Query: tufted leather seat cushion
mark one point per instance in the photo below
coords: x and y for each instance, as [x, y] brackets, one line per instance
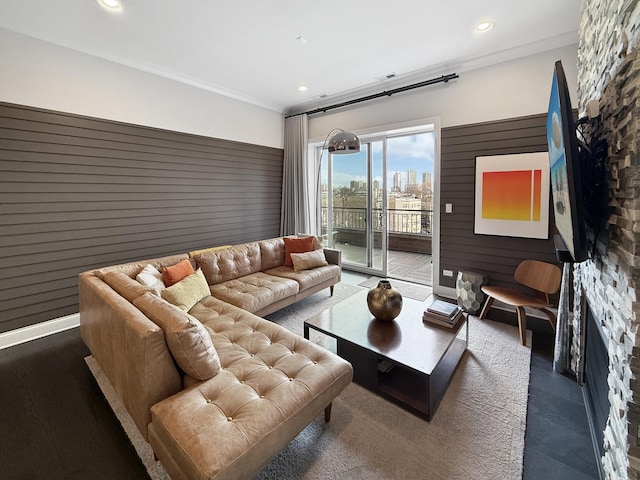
[256, 291]
[306, 278]
[229, 263]
[272, 253]
[272, 383]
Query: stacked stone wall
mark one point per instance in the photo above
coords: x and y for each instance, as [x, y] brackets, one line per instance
[609, 72]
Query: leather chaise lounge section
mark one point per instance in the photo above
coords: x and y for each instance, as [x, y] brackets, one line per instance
[271, 383]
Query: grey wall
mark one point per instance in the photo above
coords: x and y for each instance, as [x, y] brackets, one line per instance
[78, 192]
[460, 248]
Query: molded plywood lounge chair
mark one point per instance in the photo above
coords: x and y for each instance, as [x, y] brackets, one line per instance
[543, 278]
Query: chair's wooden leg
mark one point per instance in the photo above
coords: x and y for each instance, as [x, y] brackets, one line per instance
[550, 316]
[522, 323]
[331, 290]
[327, 413]
[485, 309]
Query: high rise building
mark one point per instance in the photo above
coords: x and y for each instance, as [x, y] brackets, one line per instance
[426, 181]
[358, 185]
[411, 177]
[397, 181]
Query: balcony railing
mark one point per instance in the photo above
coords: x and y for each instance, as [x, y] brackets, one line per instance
[417, 222]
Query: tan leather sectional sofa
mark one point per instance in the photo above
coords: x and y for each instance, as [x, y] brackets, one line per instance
[270, 383]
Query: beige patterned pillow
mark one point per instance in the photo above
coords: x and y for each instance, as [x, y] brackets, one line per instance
[307, 260]
[187, 339]
[187, 292]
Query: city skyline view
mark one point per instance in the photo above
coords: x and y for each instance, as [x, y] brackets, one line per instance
[414, 152]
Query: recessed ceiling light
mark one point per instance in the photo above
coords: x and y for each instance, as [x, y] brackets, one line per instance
[303, 88]
[113, 5]
[484, 26]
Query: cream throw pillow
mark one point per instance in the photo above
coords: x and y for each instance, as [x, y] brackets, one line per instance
[151, 277]
[307, 260]
[188, 291]
[187, 339]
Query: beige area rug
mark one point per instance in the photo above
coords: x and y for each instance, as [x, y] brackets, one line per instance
[476, 433]
[407, 289]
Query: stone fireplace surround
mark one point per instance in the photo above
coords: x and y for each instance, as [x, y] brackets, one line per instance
[596, 388]
[609, 71]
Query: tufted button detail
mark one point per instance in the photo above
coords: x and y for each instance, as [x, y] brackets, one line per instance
[261, 396]
[270, 366]
[290, 379]
[229, 419]
[209, 400]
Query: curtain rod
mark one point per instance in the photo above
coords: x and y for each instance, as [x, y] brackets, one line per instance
[386, 93]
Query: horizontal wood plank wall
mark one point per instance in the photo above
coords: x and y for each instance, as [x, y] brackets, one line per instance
[79, 192]
[460, 248]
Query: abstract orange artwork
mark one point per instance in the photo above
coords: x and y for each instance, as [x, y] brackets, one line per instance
[509, 195]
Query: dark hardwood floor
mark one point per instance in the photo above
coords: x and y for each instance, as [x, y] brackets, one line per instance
[54, 421]
[56, 424]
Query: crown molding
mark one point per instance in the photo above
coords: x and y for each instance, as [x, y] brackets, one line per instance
[161, 72]
[459, 66]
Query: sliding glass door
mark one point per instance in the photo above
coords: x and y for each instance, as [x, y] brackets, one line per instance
[377, 205]
[352, 207]
[410, 165]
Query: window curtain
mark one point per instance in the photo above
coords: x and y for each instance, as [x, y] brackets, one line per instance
[295, 215]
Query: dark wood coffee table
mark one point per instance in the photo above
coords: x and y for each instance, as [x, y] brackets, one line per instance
[406, 360]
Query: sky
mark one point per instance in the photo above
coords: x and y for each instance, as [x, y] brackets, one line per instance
[410, 152]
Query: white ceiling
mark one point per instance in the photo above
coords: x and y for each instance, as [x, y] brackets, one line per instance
[247, 49]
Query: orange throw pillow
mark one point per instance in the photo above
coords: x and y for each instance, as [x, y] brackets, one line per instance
[177, 272]
[296, 245]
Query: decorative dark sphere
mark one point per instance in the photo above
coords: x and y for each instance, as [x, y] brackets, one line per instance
[384, 301]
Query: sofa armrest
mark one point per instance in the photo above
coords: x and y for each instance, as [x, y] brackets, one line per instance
[333, 256]
[130, 349]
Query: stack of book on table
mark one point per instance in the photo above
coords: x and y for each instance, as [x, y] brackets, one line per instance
[443, 314]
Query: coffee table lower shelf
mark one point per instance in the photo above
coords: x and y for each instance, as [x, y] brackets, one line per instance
[407, 361]
[404, 386]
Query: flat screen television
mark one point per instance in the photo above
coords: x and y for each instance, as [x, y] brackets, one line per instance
[566, 179]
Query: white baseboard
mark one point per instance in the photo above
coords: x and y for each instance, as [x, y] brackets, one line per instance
[39, 330]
